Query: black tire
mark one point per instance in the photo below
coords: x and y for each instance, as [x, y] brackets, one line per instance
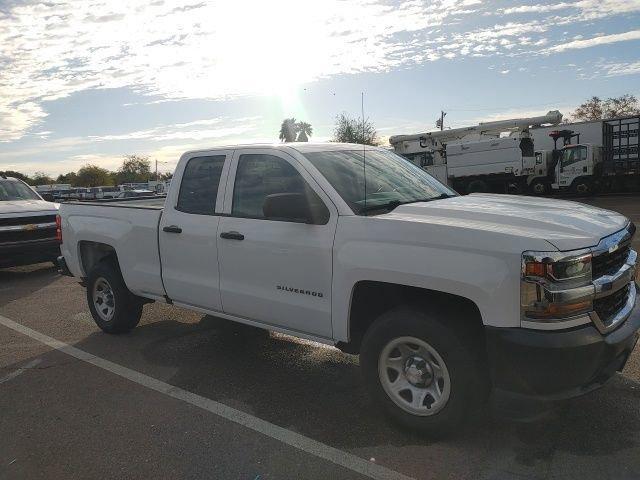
[582, 186]
[469, 383]
[539, 187]
[127, 308]
[477, 186]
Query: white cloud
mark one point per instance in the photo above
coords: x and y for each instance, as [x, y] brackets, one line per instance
[229, 48]
[617, 69]
[578, 11]
[215, 50]
[537, 8]
[187, 131]
[595, 41]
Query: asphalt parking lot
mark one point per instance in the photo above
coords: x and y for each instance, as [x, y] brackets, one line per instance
[190, 396]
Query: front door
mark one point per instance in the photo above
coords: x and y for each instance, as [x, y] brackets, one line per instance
[277, 272]
[188, 232]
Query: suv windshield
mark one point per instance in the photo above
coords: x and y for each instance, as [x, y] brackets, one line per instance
[16, 190]
[391, 180]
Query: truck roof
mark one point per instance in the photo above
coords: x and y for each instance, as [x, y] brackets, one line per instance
[302, 147]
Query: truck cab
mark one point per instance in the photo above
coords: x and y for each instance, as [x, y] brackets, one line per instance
[576, 167]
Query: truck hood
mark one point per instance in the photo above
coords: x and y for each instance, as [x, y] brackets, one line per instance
[566, 225]
[27, 207]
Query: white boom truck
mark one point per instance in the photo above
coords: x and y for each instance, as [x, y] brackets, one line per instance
[444, 297]
[480, 158]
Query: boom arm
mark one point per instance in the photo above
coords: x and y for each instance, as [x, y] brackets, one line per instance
[483, 128]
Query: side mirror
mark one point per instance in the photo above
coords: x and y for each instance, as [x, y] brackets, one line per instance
[291, 207]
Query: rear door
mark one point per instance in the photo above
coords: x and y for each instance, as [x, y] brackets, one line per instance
[277, 272]
[188, 232]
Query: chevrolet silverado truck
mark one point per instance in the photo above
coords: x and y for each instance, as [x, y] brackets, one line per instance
[28, 230]
[444, 297]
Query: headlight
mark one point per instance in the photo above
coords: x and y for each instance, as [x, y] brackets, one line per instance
[555, 286]
[555, 268]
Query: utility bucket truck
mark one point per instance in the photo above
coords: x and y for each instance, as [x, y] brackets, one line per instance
[481, 158]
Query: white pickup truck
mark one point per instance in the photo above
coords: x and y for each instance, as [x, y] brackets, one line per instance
[444, 297]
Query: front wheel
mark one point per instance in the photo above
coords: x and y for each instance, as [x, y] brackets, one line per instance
[113, 307]
[420, 371]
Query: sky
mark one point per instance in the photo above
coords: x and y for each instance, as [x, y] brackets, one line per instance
[89, 81]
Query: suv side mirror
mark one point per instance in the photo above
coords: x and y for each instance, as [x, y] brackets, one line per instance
[291, 207]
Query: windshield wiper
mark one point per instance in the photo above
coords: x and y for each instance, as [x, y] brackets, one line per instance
[389, 206]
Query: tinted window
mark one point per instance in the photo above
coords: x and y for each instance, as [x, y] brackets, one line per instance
[261, 175]
[199, 187]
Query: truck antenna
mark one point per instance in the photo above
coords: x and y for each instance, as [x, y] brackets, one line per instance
[364, 151]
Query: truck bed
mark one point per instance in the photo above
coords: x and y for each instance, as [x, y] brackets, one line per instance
[128, 226]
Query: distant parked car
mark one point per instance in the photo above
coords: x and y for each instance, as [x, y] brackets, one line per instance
[104, 192]
[28, 229]
[135, 194]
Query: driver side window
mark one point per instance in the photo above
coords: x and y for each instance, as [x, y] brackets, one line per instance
[259, 176]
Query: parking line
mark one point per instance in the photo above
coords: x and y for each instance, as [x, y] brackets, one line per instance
[293, 439]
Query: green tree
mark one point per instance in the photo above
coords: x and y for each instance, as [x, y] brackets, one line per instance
[305, 130]
[41, 178]
[354, 130]
[597, 109]
[70, 178]
[18, 175]
[134, 169]
[288, 130]
[93, 176]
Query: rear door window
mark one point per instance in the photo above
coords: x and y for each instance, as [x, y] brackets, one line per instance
[199, 187]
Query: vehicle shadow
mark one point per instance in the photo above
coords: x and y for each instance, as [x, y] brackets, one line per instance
[317, 391]
[18, 282]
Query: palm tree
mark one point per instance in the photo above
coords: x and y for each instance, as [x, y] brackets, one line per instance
[288, 130]
[304, 131]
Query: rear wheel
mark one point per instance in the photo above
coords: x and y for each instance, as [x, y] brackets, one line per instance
[539, 187]
[113, 307]
[421, 372]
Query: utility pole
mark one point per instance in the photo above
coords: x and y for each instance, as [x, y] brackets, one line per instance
[156, 169]
[440, 121]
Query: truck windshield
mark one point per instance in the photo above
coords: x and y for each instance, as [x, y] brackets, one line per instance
[15, 190]
[390, 180]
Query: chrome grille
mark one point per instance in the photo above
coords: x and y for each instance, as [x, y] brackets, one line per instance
[8, 222]
[25, 229]
[608, 263]
[607, 307]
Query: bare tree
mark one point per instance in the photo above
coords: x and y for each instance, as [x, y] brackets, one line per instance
[597, 109]
[622, 106]
[354, 130]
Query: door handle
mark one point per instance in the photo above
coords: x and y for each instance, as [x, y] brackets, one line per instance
[232, 235]
[172, 229]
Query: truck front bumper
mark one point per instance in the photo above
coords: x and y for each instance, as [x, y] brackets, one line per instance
[559, 364]
[29, 252]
